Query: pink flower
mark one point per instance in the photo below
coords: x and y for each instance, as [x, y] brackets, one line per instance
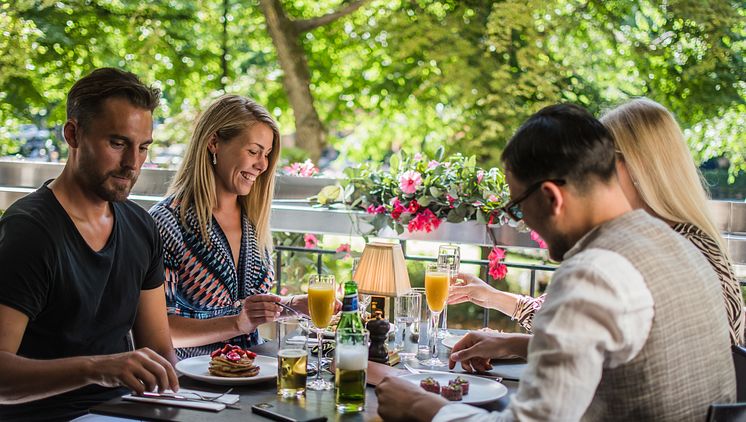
[417, 156]
[345, 247]
[492, 198]
[480, 176]
[477, 203]
[497, 269]
[496, 254]
[425, 220]
[432, 164]
[304, 169]
[536, 238]
[409, 181]
[413, 207]
[397, 210]
[311, 240]
[372, 209]
[283, 291]
[450, 199]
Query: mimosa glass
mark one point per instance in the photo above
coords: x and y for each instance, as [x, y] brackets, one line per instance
[321, 299]
[449, 255]
[437, 280]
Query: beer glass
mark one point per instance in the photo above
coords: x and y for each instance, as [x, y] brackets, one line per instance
[407, 320]
[351, 362]
[321, 300]
[292, 358]
[450, 256]
[437, 281]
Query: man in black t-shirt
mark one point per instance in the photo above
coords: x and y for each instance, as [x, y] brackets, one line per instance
[81, 266]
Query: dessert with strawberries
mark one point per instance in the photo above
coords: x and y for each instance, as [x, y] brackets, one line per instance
[233, 361]
[430, 384]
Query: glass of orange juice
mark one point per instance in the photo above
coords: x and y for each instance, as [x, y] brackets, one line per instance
[321, 299]
[437, 280]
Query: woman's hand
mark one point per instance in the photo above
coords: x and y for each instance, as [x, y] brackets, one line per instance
[300, 304]
[469, 288]
[257, 310]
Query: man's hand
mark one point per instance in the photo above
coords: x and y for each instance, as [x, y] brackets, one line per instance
[401, 400]
[257, 310]
[469, 288]
[140, 371]
[476, 349]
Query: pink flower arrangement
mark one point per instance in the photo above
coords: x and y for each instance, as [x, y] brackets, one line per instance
[345, 247]
[424, 220]
[304, 169]
[497, 269]
[409, 181]
[539, 241]
[310, 240]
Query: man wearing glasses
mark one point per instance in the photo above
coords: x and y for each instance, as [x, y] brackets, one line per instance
[617, 337]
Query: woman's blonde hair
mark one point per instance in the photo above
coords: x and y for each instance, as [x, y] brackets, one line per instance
[660, 165]
[194, 183]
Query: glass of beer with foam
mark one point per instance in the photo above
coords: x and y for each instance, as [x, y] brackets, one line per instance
[292, 358]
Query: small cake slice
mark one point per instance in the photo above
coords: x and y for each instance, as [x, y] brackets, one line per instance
[451, 392]
[463, 383]
[430, 384]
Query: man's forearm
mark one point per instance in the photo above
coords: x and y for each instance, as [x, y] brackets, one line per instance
[23, 380]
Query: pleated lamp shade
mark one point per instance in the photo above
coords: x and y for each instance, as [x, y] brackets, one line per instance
[382, 270]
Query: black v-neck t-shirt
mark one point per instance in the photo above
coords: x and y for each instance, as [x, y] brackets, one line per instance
[79, 302]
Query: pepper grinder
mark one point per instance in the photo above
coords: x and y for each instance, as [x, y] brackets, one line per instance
[378, 329]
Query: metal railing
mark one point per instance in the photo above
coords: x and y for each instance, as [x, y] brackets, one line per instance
[482, 263]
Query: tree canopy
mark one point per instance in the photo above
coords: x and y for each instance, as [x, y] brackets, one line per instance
[392, 74]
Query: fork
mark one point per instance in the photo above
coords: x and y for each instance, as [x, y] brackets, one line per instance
[289, 309]
[201, 397]
[184, 394]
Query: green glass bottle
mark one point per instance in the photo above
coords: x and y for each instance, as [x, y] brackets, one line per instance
[350, 319]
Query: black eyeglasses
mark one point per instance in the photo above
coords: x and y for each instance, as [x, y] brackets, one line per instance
[513, 208]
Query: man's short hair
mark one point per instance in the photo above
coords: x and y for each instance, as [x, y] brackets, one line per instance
[86, 96]
[562, 141]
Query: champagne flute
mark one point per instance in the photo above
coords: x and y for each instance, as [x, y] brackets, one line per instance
[321, 300]
[436, 293]
[448, 255]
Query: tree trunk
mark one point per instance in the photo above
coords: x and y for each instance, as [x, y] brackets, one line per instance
[310, 133]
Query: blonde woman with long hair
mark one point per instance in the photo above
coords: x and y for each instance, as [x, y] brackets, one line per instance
[215, 229]
[658, 174]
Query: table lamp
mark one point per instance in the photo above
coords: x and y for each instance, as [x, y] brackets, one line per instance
[381, 272]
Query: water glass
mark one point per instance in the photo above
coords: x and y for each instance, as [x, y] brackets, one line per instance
[292, 359]
[407, 320]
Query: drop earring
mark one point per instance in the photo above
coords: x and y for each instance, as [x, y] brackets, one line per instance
[214, 159]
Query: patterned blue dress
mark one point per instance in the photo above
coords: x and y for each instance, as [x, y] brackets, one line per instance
[201, 280]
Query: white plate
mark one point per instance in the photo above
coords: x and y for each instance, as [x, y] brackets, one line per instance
[481, 390]
[196, 368]
[451, 341]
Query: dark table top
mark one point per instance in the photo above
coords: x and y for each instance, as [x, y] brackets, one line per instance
[315, 403]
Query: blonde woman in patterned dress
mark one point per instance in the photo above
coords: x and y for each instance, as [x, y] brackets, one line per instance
[215, 230]
[657, 174]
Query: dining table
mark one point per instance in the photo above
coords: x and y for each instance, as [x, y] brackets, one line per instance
[315, 404]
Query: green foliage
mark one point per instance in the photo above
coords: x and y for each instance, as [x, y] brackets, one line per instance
[397, 75]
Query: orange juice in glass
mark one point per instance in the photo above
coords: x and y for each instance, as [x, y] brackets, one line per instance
[321, 300]
[437, 280]
[436, 289]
